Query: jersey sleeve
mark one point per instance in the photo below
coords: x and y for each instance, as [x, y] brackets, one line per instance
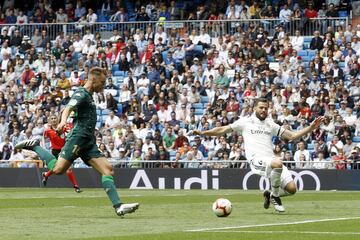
[46, 133]
[239, 125]
[76, 99]
[276, 129]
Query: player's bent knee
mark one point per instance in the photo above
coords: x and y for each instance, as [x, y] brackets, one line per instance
[291, 188]
[276, 164]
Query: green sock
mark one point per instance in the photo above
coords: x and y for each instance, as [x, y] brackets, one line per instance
[110, 189]
[46, 156]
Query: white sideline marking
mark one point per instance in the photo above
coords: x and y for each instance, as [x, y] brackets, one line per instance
[299, 232]
[273, 224]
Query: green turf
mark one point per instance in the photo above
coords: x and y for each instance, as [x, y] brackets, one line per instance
[168, 214]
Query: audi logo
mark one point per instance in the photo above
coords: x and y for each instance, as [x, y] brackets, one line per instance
[297, 179]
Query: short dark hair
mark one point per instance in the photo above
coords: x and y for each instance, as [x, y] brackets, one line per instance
[258, 100]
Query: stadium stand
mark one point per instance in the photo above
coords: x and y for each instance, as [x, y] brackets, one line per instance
[167, 57]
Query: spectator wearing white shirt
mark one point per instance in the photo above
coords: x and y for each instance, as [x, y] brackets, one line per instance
[158, 34]
[285, 14]
[89, 48]
[91, 17]
[148, 144]
[114, 153]
[124, 97]
[75, 79]
[5, 62]
[142, 84]
[322, 163]
[111, 121]
[5, 49]
[115, 37]
[232, 4]
[78, 44]
[301, 151]
[21, 18]
[88, 35]
[297, 41]
[335, 145]
[349, 118]
[163, 114]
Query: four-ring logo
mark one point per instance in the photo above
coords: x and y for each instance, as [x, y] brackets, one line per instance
[297, 179]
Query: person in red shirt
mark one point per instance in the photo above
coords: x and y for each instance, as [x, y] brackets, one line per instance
[57, 141]
[310, 12]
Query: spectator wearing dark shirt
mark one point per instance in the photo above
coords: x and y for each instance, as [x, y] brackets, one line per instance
[317, 42]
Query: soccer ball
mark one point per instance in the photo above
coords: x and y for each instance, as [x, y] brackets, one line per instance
[222, 207]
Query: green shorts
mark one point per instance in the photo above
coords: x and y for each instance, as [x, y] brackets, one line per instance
[80, 146]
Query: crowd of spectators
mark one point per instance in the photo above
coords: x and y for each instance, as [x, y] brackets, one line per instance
[159, 88]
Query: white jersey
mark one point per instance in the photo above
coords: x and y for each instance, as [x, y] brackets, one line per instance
[257, 136]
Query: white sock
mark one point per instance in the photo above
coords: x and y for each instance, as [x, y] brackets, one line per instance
[283, 193]
[275, 181]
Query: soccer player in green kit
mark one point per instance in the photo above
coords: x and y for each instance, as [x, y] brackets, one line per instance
[81, 140]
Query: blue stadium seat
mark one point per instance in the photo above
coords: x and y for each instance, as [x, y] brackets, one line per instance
[117, 73]
[356, 139]
[305, 58]
[199, 112]
[302, 53]
[115, 67]
[306, 45]
[98, 125]
[307, 39]
[198, 105]
[204, 99]
[311, 53]
[67, 74]
[103, 118]
[98, 111]
[310, 147]
[105, 112]
[341, 64]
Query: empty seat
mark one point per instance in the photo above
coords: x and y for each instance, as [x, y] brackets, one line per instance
[115, 67]
[198, 105]
[204, 99]
[302, 53]
[117, 73]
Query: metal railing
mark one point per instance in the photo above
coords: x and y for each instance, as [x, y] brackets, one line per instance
[214, 28]
[241, 164]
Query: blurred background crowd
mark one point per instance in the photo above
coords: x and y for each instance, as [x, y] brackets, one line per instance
[164, 80]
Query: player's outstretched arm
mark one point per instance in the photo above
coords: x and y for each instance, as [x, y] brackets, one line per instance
[289, 135]
[64, 116]
[218, 131]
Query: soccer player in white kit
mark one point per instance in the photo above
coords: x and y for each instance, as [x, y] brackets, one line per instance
[258, 131]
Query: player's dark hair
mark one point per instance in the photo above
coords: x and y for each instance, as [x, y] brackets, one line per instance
[258, 100]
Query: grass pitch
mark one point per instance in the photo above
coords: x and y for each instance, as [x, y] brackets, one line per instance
[175, 214]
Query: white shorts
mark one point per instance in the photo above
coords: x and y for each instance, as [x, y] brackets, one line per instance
[262, 167]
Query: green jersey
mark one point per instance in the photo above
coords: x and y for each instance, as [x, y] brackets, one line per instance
[84, 108]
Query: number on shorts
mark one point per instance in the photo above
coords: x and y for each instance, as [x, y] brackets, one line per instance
[76, 150]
